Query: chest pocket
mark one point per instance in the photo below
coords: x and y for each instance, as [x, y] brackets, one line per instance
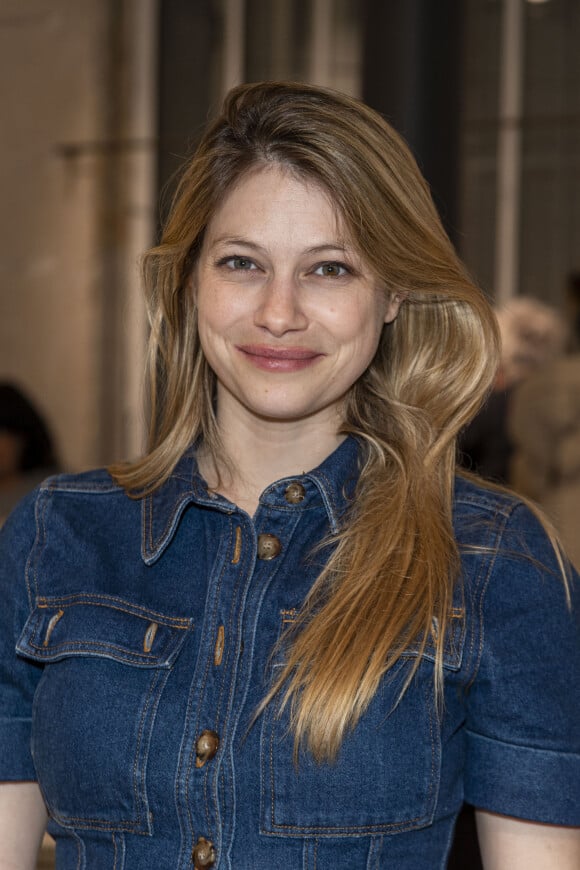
[106, 662]
[386, 777]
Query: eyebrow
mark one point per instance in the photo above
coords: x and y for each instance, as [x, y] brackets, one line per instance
[315, 249]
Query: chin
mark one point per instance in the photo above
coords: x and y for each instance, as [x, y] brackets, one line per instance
[284, 411]
[282, 415]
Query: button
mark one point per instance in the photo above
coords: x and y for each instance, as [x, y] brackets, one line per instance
[268, 547]
[294, 493]
[206, 747]
[203, 854]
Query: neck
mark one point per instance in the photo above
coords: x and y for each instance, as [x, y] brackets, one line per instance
[260, 452]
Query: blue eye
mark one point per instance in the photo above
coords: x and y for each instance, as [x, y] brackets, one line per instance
[332, 270]
[243, 264]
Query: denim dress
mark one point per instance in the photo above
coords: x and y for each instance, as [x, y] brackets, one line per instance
[137, 638]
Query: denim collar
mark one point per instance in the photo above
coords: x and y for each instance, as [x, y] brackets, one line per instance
[335, 479]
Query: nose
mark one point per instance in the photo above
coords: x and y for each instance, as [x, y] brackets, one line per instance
[280, 309]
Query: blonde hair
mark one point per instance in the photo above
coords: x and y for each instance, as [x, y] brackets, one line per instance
[391, 574]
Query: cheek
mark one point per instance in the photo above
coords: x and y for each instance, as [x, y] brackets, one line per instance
[218, 309]
[364, 343]
[212, 320]
[216, 327]
[362, 330]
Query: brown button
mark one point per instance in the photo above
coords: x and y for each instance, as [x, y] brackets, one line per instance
[268, 547]
[294, 493]
[203, 854]
[206, 747]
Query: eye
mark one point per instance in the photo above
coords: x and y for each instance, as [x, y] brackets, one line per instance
[332, 270]
[237, 263]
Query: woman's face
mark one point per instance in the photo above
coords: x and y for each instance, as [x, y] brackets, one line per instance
[289, 315]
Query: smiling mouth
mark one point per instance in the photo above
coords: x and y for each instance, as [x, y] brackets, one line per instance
[285, 359]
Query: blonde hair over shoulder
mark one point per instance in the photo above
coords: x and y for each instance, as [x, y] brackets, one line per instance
[434, 366]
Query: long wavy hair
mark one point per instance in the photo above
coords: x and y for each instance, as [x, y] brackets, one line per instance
[432, 370]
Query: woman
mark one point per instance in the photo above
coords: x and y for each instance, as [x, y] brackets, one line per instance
[284, 638]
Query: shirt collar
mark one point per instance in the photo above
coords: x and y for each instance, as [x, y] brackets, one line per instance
[336, 479]
[161, 511]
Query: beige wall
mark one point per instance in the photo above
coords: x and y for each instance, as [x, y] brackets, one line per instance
[55, 295]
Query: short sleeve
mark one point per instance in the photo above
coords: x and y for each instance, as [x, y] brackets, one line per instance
[18, 678]
[523, 719]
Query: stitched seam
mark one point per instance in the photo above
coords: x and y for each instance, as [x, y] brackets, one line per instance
[95, 824]
[206, 787]
[433, 738]
[482, 593]
[302, 507]
[152, 698]
[40, 508]
[243, 579]
[525, 746]
[328, 497]
[146, 533]
[139, 802]
[193, 711]
[333, 830]
[98, 648]
[93, 600]
[80, 852]
[72, 646]
[229, 653]
[173, 518]
[62, 485]
[375, 847]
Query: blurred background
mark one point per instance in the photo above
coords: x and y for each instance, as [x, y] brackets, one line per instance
[103, 99]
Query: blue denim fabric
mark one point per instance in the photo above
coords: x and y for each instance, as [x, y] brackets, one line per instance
[140, 624]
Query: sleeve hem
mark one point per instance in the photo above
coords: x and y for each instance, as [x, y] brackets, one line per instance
[16, 763]
[529, 783]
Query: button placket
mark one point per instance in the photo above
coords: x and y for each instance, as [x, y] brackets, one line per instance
[210, 689]
[238, 587]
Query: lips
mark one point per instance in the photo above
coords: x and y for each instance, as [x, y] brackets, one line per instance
[282, 359]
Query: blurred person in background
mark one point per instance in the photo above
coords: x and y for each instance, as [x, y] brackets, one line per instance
[532, 334]
[545, 431]
[27, 454]
[572, 310]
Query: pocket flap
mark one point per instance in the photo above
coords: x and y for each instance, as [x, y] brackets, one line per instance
[101, 625]
[453, 643]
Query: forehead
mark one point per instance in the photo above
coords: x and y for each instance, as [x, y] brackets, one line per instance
[272, 191]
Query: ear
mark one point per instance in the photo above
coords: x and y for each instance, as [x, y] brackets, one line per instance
[393, 305]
